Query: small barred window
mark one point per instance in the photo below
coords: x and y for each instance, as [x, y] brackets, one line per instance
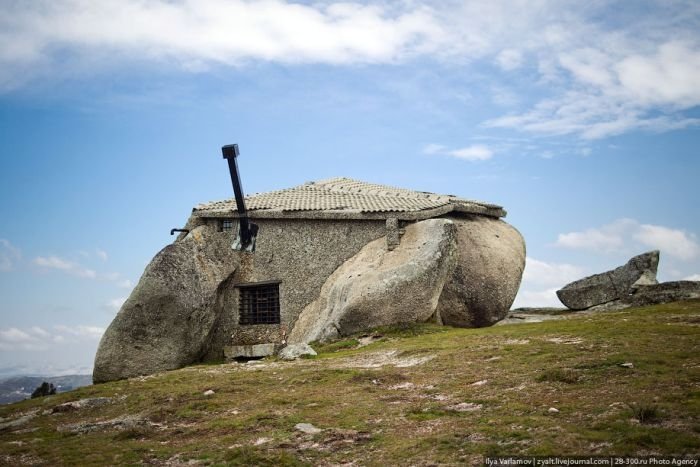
[259, 303]
[226, 225]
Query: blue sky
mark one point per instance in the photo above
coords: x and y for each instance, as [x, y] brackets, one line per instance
[581, 120]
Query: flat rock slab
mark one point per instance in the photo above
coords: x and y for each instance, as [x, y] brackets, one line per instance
[611, 285]
[248, 351]
[307, 428]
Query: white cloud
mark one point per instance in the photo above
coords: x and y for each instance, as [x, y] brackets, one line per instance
[541, 280]
[639, 68]
[9, 255]
[630, 233]
[544, 273]
[36, 339]
[537, 298]
[613, 92]
[32, 339]
[125, 284]
[36, 330]
[674, 242]
[81, 331]
[692, 277]
[475, 152]
[14, 335]
[198, 33]
[75, 269]
[670, 76]
[606, 238]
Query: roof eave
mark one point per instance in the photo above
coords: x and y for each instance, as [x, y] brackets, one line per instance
[351, 214]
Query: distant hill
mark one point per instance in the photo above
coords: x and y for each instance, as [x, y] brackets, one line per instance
[18, 388]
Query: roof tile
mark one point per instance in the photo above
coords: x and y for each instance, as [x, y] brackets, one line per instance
[338, 194]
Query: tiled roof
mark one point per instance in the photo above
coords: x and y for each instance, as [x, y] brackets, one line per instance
[344, 194]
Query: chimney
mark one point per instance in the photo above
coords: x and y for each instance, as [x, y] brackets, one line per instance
[245, 240]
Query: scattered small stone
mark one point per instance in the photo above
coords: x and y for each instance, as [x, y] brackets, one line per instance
[307, 428]
[465, 407]
[209, 392]
[406, 385]
[260, 441]
[88, 403]
[553, 410]
[294, 351]
[480, 383]
[627, 365]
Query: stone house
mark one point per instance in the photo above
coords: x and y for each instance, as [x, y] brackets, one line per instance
[330, 258]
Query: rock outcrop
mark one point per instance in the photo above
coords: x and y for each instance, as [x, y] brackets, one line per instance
[378, 287]
[166, 322]
[611, 285]
[654, 294]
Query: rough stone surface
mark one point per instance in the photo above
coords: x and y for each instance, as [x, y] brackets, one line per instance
[486, 275]
[379, 287]
[611, 285]
[654, 294]
[294, 351]
[166, 322]
[664, 292]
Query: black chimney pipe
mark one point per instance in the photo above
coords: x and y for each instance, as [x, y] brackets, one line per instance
[248, 230]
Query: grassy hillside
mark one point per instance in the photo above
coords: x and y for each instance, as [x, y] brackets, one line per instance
[417, 395]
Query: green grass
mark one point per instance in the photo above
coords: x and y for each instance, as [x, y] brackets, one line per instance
[419, 395]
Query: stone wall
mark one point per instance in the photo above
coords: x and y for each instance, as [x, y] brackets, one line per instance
[300, 254]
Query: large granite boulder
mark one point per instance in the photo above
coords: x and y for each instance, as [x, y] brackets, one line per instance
[379, 287]
[167, 320]
[611, 285]
[486, 275]
[460, 272]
